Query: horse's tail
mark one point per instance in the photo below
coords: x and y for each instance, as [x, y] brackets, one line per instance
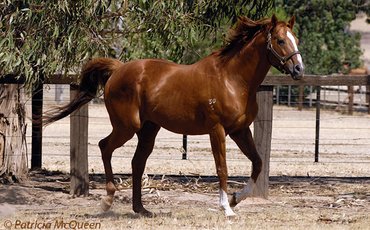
[95, 73]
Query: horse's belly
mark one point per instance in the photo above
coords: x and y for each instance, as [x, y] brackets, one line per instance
[186, 130]
[187, 122]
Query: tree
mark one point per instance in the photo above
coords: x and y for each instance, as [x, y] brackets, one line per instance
[322, 26]
[326, 44]
[13, 155]
[78, 30]
[40, 38]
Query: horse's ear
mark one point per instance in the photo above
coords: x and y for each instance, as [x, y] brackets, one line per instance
[291, 22]
[274, 20]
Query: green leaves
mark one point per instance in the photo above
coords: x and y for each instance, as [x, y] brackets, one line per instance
[47, 37]
[325, 42]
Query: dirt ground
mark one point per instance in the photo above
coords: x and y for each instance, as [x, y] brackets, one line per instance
[332, 194]
[187, 203]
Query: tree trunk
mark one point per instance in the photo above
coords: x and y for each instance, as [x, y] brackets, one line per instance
[13, 148]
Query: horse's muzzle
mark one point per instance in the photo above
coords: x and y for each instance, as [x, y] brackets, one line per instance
[297, 72]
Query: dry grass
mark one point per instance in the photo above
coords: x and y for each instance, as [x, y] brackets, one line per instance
[192, 203]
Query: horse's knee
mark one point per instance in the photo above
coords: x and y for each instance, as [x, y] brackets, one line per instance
[102, 143]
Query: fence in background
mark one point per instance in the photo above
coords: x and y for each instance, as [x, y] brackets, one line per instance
[345, 99]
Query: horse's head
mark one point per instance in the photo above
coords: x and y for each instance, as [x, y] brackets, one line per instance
[282, 48]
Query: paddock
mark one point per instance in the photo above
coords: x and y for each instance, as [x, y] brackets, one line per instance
[262, 124]
[330, 193]
[333, 193]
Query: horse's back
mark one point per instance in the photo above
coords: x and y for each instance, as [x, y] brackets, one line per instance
[169, 94]
[188, 99]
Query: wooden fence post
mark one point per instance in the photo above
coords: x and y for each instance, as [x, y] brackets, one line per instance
[78, 149]
[368, 98]
[301, 97]
[317, 126]
[36, 150]
[184, 147]
[262, 136]
[289, 95]
[350, 100]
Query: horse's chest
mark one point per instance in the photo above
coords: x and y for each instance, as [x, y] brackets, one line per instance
[251, 112]
[240, 113]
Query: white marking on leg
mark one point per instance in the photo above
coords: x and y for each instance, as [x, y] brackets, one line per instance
[292, 39]
[224, 203]
[246, 191]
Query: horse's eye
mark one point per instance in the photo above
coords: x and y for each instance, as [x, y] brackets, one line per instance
[281, 42]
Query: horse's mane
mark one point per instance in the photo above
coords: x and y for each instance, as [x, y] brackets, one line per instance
[240, 35]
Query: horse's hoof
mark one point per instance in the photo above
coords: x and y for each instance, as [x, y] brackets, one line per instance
[106, 203]
[230, 214]
[232, 200]
[145, 213]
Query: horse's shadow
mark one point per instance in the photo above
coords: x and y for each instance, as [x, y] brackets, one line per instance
[128, 215]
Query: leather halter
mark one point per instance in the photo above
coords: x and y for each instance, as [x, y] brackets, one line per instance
[282, 59]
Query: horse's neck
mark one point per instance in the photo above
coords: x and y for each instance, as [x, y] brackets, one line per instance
[252, 65]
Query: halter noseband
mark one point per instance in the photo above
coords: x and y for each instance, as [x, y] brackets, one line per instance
[282, 59]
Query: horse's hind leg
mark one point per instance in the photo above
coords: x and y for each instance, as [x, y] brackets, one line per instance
[146, 139]
[107, 145]
[244, 140]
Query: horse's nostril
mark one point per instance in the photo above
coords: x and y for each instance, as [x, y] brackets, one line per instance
[297, 72]
[297, 68]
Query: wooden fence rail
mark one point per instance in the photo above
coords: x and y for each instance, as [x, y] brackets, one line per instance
[262, 125]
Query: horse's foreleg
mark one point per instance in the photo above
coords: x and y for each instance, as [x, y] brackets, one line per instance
[107, 146]
[244, 140]
[144, 148]
[218, 144]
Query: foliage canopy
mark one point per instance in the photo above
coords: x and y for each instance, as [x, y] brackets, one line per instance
[323, 29]
[46, 37]
[56, 36]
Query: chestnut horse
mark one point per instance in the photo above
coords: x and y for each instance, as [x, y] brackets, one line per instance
[215, 96]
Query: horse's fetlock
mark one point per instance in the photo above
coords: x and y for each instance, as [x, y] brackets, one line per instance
[111, 189]
[232, 200]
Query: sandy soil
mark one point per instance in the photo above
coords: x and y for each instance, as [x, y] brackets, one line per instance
[189, 203]
[331, 194]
